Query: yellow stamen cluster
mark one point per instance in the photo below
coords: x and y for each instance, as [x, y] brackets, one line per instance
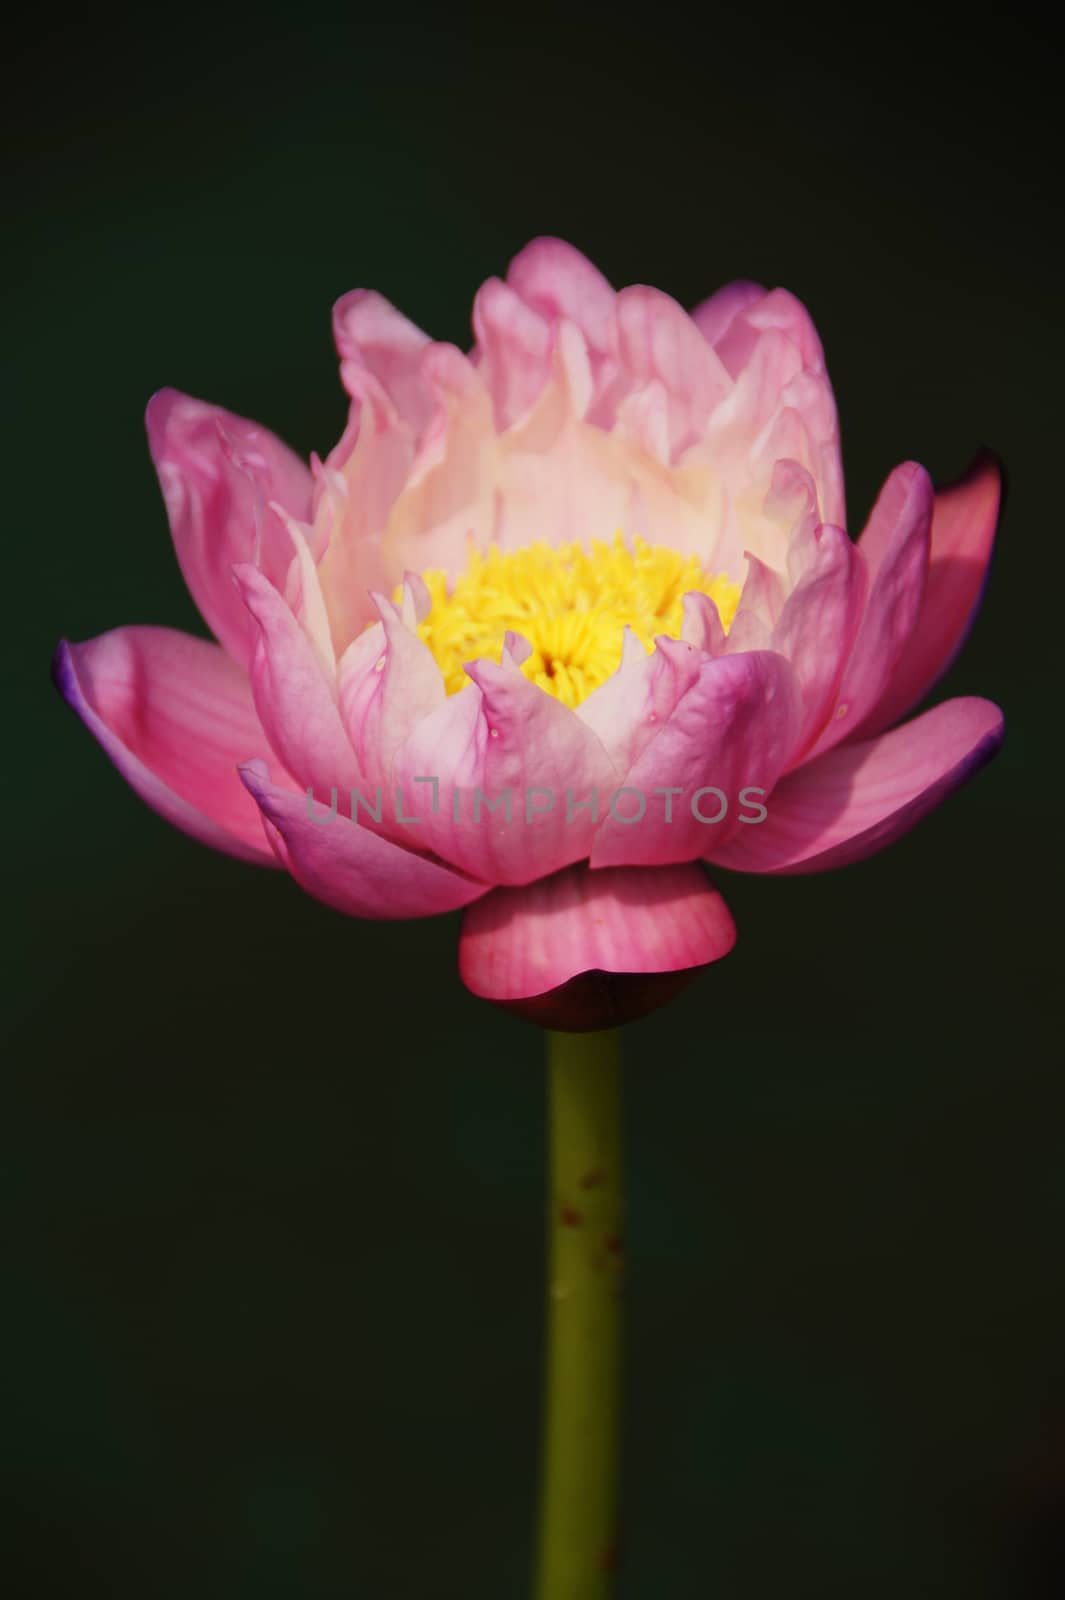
[572, 604]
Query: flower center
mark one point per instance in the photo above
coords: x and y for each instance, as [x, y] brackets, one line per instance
[571, 603]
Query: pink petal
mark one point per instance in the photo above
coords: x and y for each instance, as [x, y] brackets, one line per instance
[817, 626]
[702, 624]
[729, 734]
[894, 547]
[359, 485]
[519, 942]
[556, 280]
[377, 341]
[449, 492]
[175, 715]
[781, 405]
[502, 734]
[627, 711]
[964, 521]
[764, 593]
[641, 416]
[781, 310]
[388, 682]
[513, 350]
[561, 285]
[754, 315]
[714, 317]
[658, 340]
[219, 473]
[858, 798]
[296, 702]
[346, 865]
[776, 410]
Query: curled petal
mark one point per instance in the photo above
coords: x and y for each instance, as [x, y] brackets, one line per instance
[346, 865]
[219, 474]
[964, 519]
[175, 715]
[522, 942]
[858, 798]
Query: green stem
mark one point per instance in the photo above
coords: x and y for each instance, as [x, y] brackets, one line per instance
[578, 1532]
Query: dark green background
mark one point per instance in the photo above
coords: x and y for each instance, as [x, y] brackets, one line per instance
[273, 1178]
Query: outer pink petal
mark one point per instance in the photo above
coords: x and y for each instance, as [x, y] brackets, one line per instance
[521, 942]
[731, 732]
[964, 521]
[345, 865]
[894, 547]
[219, 473]
[175, 715]
[858, 798]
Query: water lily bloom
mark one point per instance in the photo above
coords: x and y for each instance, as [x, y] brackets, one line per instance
[557, 623]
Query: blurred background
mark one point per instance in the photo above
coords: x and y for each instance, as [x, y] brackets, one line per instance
[273, 1179]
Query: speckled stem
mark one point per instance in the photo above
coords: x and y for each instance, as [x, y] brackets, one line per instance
[578, 1528]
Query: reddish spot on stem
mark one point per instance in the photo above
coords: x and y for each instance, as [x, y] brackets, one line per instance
[611, 1558]
[591, 1180]
[570, 1218]
[613, 1243]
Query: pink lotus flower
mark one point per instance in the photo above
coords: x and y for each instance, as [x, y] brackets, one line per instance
[596, 565]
